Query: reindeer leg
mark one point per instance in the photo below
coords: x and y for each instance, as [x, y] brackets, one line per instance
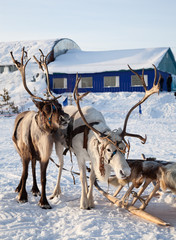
[19, 186]
[90, 193]
[57, 190]
[43, 202]
[84, 201]
[59, 151]
[22, 196]
[35, 190]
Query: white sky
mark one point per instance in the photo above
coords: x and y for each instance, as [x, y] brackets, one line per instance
[92, 24]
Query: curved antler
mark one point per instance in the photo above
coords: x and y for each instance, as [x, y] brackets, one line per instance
[148, 93]
[21, 67]
[77, 98]
[43, 66]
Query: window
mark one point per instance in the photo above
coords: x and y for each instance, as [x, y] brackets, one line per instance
[59, 83]
[85, 82]
[136, 81]
[1, 69]
[112, 81]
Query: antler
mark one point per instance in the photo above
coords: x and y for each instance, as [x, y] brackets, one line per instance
[77, 98]
[21, 67]
[43, 66]
[148, 93]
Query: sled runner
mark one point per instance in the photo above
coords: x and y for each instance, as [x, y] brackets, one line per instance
[144, 172]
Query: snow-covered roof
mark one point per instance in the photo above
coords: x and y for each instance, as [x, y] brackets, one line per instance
[32, 47]
[99, 61]
[59, 46]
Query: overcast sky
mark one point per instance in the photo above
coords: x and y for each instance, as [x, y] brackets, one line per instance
[92, 24]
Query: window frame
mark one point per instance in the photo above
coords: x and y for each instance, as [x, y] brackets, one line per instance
[117, 81]
[138, 79]
[80, 85]
[65, 83]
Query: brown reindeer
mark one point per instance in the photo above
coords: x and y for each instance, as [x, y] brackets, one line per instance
[35, 132]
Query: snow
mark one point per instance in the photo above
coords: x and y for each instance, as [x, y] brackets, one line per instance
[32, 47]
[76, 60]
[66, 220]
[92, 61]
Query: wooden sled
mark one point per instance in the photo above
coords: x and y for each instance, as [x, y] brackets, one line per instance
[144, 172]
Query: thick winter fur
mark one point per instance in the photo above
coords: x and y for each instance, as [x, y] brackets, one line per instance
[33, 136]
[93, 152]
[160, 171]
[167, 177]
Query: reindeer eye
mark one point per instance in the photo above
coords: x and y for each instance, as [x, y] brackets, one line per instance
[109, 150]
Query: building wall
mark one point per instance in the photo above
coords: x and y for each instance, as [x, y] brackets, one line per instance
[168, 63]
[98, 81]
[7, 68]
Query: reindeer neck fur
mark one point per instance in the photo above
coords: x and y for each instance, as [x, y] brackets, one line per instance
[95, 154]
[43, 123]
[97, 151]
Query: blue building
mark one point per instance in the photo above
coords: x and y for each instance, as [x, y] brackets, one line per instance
[107, 71]
[101, 71]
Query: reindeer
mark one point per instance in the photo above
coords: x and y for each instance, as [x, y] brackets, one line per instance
[35, 132]
[93, 141]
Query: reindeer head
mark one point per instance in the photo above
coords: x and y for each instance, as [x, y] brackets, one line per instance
[111, 150]
[51, 114]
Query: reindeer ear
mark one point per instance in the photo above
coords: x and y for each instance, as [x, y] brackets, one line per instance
[38, 104]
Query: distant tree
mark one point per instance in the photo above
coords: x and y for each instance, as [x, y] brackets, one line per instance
[5, 96]
[7, 106]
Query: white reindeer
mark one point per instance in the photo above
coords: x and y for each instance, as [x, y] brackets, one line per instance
[105, 148]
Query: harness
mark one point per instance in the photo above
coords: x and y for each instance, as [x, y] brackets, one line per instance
[102, 158]
[112, 155]
[72, 133]
[85, 130]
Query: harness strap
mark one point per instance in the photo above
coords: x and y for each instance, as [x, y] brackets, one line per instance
[112, 155]
[72, 133]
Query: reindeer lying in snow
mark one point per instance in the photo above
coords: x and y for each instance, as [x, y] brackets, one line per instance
[143, 172]
[93, 141]
[35, 132]
[161, 173]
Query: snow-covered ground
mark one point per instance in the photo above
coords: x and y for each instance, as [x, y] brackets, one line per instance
[66, 220]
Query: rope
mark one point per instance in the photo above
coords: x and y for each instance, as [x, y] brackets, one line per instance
[72, 172]
[57, 165]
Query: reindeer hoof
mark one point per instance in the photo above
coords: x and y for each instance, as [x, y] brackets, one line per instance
[44, 206]
[22, 200]
[54, 195]
[35, 193]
